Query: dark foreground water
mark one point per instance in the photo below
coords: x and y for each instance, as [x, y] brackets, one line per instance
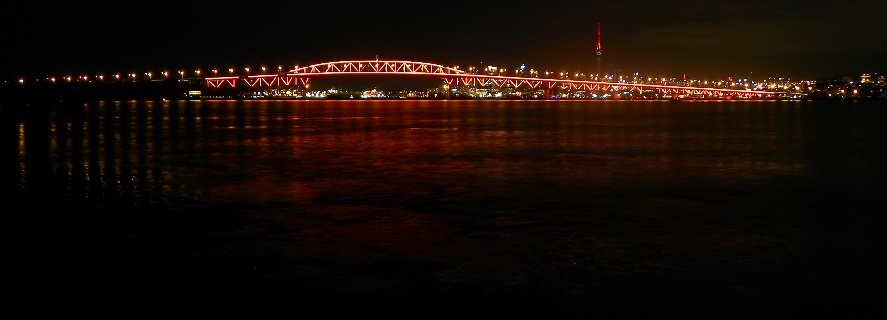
[765, 201]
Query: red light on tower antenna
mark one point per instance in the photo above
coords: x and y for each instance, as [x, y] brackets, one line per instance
[598, 43]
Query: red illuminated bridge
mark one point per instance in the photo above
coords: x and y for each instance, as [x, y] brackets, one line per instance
[301, 77]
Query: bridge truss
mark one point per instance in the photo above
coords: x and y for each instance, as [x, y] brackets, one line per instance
[454, 78]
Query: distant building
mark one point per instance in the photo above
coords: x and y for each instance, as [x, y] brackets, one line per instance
[865, 78]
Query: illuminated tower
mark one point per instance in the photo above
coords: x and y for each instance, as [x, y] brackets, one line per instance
[598, 43]
[598, 48]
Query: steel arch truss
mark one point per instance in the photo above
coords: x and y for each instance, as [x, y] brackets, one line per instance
[455, 77]
[470, 80]
[256, 82]
[222, 82]
[578, 85]
[376, 67]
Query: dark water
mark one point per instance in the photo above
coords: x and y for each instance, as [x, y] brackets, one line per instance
[753, 200]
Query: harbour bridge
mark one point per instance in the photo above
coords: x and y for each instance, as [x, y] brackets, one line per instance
[453, 77]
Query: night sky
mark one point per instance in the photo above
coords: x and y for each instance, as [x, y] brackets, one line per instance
[701, 38]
